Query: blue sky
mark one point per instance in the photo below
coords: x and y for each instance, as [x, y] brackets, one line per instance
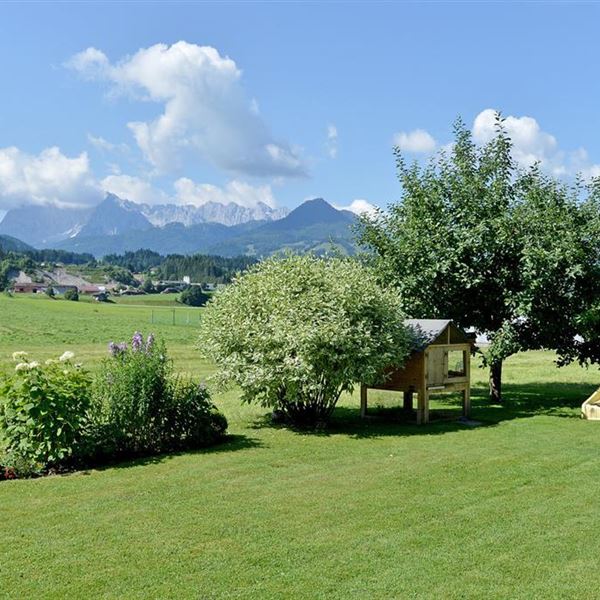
[281, 102]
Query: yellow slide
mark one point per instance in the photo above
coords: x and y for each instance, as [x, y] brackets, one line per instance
[590, 409]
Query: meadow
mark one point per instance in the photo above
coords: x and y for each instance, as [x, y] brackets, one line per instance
[365, 509]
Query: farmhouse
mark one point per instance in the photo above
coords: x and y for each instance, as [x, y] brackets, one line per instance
[90, 289]
[440, 362]
[29, 288]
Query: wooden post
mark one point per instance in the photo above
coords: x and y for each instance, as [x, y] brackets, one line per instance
[408, 401]
[467, 401]
[363, 400]
[423, 397]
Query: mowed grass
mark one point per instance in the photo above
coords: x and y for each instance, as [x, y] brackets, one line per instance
[373, 509]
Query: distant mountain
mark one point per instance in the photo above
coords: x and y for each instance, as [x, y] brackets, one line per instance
[114, 216]
[312, 212]
[211, 212]
[42, 226]
[12, 244]
[314, 226]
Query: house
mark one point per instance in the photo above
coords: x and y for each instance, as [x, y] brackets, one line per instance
[440, 362]
[89, 289]
[29, 288]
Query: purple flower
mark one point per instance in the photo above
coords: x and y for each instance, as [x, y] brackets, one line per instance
[117, 349]
[149, 342]
[137, 341]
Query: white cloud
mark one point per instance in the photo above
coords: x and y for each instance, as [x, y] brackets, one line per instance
[186, 191]
[532, 144]
[47, 178]
[133, 188]
[206, 114]
[417, 141]
[358, 206]
[239, 192]
[99, 143]
[332, 141]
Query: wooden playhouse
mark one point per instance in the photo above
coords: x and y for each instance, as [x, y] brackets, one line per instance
[440, 362]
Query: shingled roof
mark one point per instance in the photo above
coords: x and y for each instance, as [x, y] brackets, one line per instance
[426, 330]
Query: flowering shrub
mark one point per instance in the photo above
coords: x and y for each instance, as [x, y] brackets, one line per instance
[295, 333]
[143, 409]
[43, 412]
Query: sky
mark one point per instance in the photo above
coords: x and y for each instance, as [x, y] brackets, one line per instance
[281, 102]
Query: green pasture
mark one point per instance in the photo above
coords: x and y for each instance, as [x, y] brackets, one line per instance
[374, 509]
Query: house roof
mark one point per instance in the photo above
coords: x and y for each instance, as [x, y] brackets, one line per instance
[426, 330]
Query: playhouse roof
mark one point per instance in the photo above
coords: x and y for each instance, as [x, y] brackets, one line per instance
[426, 330]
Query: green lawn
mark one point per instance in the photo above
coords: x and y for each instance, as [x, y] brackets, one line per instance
[366, 510]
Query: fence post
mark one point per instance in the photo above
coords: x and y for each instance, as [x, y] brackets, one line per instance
[173, 316]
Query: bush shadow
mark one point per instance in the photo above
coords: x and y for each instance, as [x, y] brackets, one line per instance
[230, 443]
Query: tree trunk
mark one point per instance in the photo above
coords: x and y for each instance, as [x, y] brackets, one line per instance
[496, 382]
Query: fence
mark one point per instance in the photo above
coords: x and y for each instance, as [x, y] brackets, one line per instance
[174, 316]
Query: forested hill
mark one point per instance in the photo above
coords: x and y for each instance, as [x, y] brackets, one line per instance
[199, 267]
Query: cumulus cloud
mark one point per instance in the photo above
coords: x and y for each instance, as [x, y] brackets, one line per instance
[532, 144]
[358, 206]
[332, 141]
[185, 191]
[239, 192]
[134, 188]
[417, 141]
[47, 178]
[206, 112]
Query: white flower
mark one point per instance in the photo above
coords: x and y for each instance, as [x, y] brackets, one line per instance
[50, 361]
[22, 367]
[17, 356]
[34, 364]
[68, 355]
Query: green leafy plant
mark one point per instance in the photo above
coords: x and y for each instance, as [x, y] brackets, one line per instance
[43, 412]
[295, 333]
[72, 294]
[142, 408]
[194, 296]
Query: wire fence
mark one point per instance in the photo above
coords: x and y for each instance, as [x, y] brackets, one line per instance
[174, 316]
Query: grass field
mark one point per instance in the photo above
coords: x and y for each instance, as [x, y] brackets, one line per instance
[365, 510]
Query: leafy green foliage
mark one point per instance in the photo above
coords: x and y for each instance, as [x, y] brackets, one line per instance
[137, 262]
[295, 333]
[202, 268]
[143, 409]
[199, 267]
[71, 294]
[514, 254]
[194, 296]
[43, 411]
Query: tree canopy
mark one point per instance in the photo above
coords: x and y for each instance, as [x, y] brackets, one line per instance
[512, 252]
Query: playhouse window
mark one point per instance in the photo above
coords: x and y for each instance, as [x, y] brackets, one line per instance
[456, 363]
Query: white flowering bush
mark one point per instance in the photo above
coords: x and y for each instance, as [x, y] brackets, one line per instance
[295, 333]
[43, 412]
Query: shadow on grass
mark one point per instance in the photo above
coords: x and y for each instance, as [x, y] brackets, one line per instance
[520, 401]
[230, 443]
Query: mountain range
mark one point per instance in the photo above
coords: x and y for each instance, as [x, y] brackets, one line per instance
[117, 225]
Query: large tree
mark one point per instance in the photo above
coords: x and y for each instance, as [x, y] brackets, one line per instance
[513, 253]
